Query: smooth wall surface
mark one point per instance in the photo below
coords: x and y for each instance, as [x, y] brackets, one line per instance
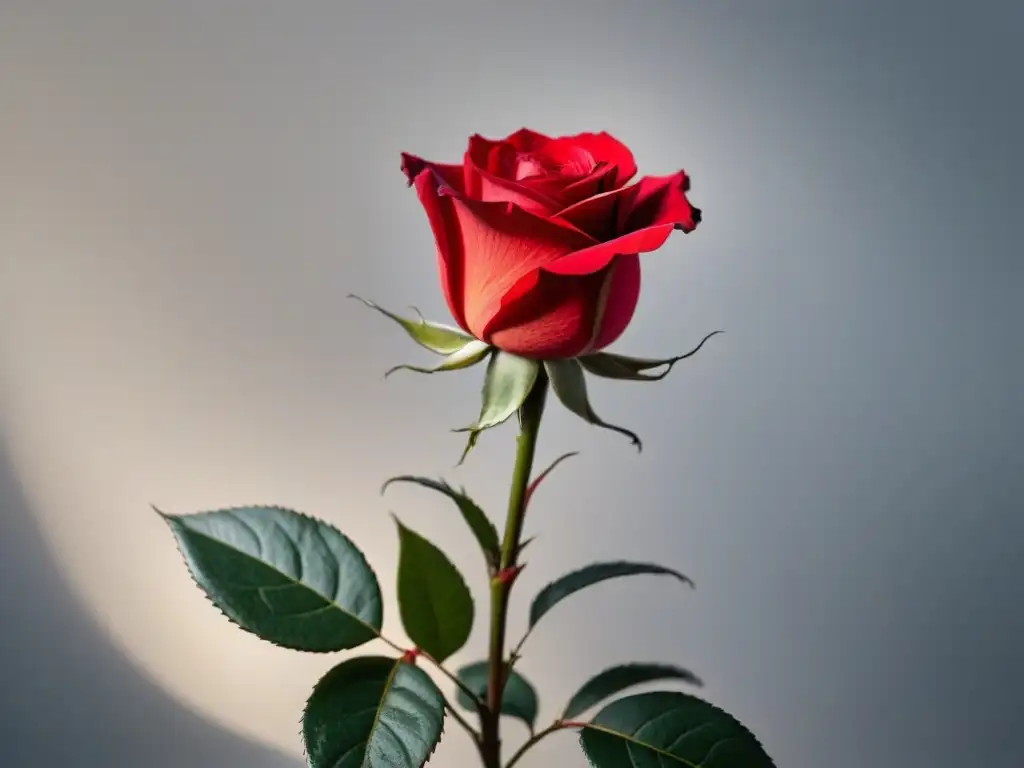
[189, 189]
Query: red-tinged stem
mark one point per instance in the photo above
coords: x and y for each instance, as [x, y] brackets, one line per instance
[529, 420]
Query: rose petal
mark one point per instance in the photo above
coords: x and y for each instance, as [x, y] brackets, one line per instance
[525, 140]
[645, 215]
[620, 302]
[413, 166]
[598, 181]
[499, 243]
[658, 200]
[490, 176]
[597, 215]
[450, 267]
[557, 317]
[605, 148]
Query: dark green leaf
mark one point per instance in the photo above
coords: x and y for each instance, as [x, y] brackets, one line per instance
[560, 589]
[435, 604]
[518, 699]
[662, 729]
[288, 578]
[507, 383]
[570, 386]
[483, 529]
[615, 679]
[469, 355]
[612, 366]
[372, 712]
[440, 339]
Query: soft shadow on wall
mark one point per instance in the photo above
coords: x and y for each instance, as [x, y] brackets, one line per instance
[67, 696]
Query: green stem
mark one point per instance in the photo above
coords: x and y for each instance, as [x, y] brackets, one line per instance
[529, 425]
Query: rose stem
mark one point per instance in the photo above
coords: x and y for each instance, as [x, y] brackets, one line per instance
[529, 425]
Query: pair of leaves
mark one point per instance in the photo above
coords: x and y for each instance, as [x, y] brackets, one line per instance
[377, 712]
[476, 519]
[300, 583]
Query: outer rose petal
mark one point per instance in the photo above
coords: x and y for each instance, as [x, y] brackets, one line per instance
[562, 317]
[620, 304]
[450, 267]
[656, 200]
[645, 214]
[485, 248]
[526, 140]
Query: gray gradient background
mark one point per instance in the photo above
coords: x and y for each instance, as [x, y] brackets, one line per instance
[187, 190]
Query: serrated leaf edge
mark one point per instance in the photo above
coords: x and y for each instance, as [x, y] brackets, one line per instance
[398, 662]
[683, 761]
[177, 545]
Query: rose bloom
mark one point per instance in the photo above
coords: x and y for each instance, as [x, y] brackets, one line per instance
[538, 238]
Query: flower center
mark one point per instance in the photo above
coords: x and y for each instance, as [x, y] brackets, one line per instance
[574, 163]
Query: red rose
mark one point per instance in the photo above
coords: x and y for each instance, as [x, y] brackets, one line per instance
[538, 238]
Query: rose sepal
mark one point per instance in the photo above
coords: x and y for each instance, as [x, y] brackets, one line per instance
[460, 350]
[569, 383]
[507, 383]
[612, 366]
[438, 338]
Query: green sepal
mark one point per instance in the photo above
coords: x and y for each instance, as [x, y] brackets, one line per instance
[287, 578]
[434, 602]
[468, 356]
[518, 699]
[373, 712]
[438, 338]
[507, 383]
[612, 366]
[611, 681]
[569, 384]
[666, 729]
[481, 526]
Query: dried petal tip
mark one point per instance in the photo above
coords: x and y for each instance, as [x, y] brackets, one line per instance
[411, 167]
